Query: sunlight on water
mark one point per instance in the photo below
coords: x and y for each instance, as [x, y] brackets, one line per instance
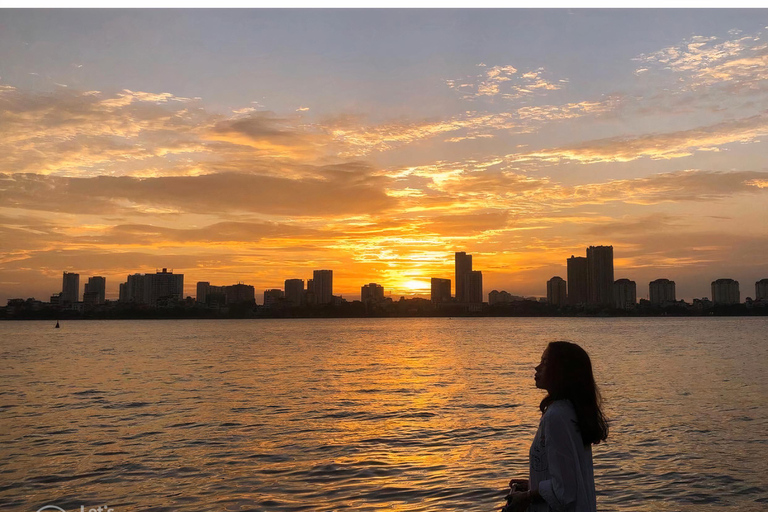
[373, 414]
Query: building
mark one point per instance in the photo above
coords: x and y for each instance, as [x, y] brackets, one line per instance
[272, 297]
[237, 293]
[761, 290]
[162, 286]
[150, 289]
[725, 291]
[216, 296]
[578, 279]
[372, 292]
[502, 297]
[440, 290]
[473, 287]
[322, 286]
[463, 266]
[294, 291]
[624, 294]
[133, 290]
[557, 292]
[203, 288]
[600, 273]
[309, 293]
[662, 291]
[95, 291]
[70, 288]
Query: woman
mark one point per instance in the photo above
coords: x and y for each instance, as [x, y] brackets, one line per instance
[561, 476]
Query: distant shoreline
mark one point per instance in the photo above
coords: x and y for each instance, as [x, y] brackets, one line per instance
[406, 309]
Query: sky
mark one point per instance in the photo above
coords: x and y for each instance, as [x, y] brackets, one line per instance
[256, 145]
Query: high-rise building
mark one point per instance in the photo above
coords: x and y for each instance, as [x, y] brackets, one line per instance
[600, 272]
[294, 291]
[725, 291]
[661, 291]
[557, 292]
[372, 292]
[134, 289]
[322, 285]
[151, 288]
[162, 286]
[761, 290]
[463, 266]
[440, 290]
[272, 297]
[203, 288]
[473, 287]
[216, 296]
[624, 294]
[578, 279]
[70, 288]
[240, 292]
[96, 289]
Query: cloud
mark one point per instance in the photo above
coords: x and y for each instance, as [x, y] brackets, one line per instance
[632, 226]
[691, 185]
[655, 146]
[265, 134]
[467, 186]
[75, 133]
[72, 133]
[503, 82]
[362, 140]
[219, 232]
[568, 110]
[465, 225]
[126, 97]
[706, 61]
[758, 183]
[342, 192]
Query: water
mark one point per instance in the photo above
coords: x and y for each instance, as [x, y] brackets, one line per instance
[370, 414]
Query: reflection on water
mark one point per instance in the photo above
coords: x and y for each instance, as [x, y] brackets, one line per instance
[373, 414]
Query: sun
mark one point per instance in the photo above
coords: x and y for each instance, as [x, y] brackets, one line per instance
[417, 286]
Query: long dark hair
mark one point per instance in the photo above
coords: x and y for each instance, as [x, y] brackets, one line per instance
[569, 372]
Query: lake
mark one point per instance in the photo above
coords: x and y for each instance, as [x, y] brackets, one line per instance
[370, 414]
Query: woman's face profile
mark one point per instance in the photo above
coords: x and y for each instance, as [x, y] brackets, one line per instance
[541, 378]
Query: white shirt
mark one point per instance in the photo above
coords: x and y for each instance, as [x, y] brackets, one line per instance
[560, 464]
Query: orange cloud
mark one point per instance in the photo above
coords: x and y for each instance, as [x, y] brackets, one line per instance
[340, 194]
[656, 146]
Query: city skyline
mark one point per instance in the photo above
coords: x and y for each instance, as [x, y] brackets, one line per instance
[379, 143]
[597, 269]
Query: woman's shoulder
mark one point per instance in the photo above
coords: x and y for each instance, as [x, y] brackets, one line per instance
[560, 410]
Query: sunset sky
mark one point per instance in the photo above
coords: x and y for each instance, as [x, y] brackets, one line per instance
[257, 145]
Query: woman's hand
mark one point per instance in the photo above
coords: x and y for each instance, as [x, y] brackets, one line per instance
[519, 484]
[517, 501]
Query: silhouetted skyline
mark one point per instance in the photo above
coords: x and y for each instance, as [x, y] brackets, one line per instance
[590, 282]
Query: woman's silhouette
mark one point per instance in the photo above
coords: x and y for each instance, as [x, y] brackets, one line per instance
[561, 475]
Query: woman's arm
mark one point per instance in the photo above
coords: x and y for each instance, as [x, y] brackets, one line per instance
[560, 433]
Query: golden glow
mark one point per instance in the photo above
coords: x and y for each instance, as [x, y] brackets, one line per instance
[417, 286]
